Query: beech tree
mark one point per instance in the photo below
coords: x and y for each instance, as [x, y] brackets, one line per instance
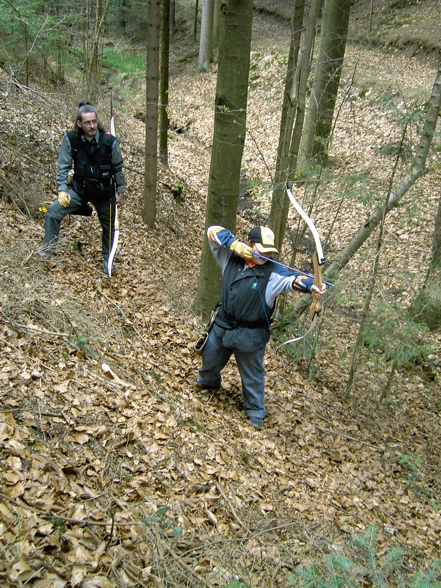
[195, 20]
[228, 138]
[427, 304]
[172, 17]
[216, 20]
[151, 115]
[206, 38]
[318, 124]
[293, 112]
[163, 85]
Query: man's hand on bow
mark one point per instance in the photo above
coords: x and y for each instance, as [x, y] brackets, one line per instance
[63, 198]
[319, 293]
[120, 199]
[242, 249]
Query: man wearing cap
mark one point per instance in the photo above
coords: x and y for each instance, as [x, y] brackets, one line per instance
[250, 286]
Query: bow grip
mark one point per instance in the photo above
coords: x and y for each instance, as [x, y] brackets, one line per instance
[316, 303]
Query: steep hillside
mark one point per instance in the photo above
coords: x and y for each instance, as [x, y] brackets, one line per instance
[408, 26]
[115, 470]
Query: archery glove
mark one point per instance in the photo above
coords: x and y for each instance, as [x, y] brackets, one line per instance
[63, 199]
[242, 249]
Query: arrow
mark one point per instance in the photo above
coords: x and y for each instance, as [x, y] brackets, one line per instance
[293, 269]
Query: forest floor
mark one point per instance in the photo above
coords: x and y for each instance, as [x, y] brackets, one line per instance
[115, 470]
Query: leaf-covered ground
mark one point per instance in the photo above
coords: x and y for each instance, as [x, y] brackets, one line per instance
[115, 470]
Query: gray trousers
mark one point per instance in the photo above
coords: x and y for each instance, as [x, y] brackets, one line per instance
[250, 363]
[55, 214]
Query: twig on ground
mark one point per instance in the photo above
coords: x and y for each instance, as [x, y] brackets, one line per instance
[230, 506]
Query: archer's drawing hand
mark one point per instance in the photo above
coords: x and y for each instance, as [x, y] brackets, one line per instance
[242, 249]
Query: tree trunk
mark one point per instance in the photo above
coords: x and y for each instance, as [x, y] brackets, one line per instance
[228, 139]
[172, 18]
[85, 34]
[163, 93]
[151, 115]
[293, 110]
[206, 39]
[95, 66]
[427, 303]
[195, 22]
[371, 14]
[436, 242]
[318, 124]
[216, 21]
[286, 124]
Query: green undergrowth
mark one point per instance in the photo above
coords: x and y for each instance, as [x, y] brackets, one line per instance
[366, 567]
[127, 62]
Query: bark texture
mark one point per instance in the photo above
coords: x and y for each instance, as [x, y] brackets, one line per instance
[151, 118]
[228, 138]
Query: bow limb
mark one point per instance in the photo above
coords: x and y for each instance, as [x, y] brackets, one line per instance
[318, 261]
[116, 223]
[114, 244]
[316, 307]
[311, 226]
[311, 328]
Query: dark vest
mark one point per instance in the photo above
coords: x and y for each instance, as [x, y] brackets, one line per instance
[93, 173]
[243, 296]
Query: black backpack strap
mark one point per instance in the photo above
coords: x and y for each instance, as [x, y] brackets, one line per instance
[108, 140]
[73, 140]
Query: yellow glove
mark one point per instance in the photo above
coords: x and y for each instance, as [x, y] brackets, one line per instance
[63, 198]
[242, 249]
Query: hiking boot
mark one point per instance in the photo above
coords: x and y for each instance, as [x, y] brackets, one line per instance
[256, 422]
[45, 254]
[106, 268]
[195, 384]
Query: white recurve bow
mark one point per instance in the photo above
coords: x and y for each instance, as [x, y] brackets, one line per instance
[116, 221]
[318, 260]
